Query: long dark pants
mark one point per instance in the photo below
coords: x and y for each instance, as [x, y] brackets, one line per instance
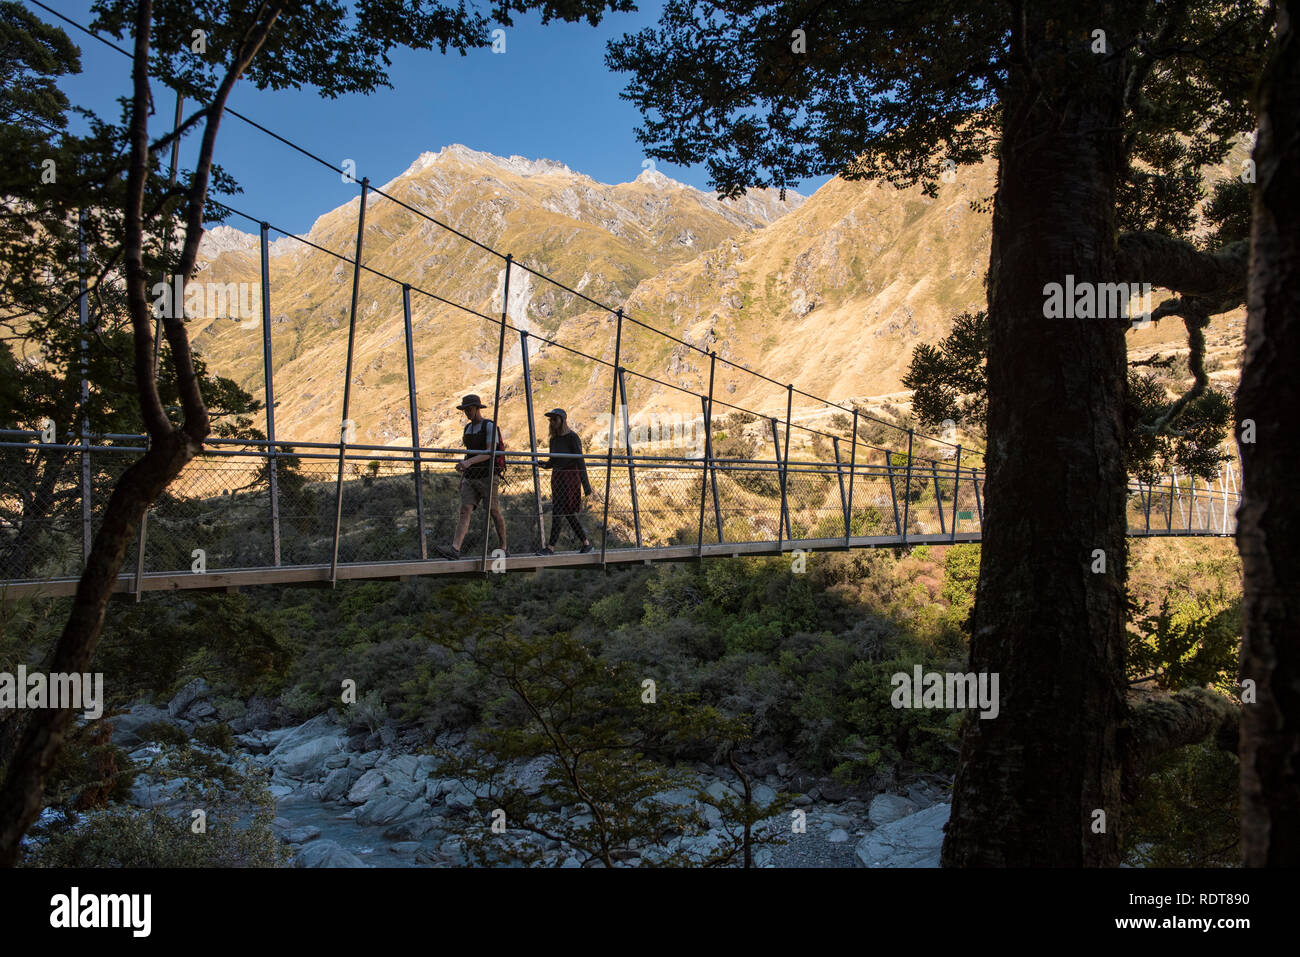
[573, 523]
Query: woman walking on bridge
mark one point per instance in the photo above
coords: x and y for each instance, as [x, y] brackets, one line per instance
[568, 480]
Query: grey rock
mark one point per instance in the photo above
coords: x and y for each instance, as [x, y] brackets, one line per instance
[570, 862]
[801, 800]
[405, 847]
[300, 796]
[334, 762]
[201, 711]
[678, 797]
[838, 836]
[303, 751]
[253, 743]
[911, 841]
[402, 768]
[366, 786]
[338, 783]
[387, 808]
[428, 763]
[719, 791]
[126, 726]
[366, 760]
[326, 854]
[762, 794]
[887, 808]
[529, 776]
[837, 820]
[459, 797]
[300, 835]
[193, 691]
[256, 715]
[416, 829]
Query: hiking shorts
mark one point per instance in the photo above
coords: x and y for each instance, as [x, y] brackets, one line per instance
[475, 490]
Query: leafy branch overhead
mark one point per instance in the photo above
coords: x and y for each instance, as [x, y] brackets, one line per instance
[949, 383]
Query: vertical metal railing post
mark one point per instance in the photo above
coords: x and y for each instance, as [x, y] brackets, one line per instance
[609, 451]
[1223, 488]
[631, 470]
[907, 487]
[416, 466]
[893, 492]
[496, 411]
[785, 463]
[708, 449]
[956, 488]
[532, 438]
[1173, 486]
[839, 475]
[780, 465]
[268, 378]
[347, 381]
[979, 502]
[938, 498]
[853, 468]
[704, 484]
[1191, 508]
[83, 310]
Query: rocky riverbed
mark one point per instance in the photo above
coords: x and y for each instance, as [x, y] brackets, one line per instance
[369, 800]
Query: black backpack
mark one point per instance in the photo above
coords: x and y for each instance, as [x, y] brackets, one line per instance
[499, 460]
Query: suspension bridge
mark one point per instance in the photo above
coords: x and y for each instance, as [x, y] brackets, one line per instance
[262, 511]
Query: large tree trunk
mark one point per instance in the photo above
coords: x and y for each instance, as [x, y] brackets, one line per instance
[140, 485]
[1030, 781]
[1268, 522]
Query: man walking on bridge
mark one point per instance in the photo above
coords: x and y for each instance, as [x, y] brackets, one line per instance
[479, 474]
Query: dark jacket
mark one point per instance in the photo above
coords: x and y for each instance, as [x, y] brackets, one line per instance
[567, 475]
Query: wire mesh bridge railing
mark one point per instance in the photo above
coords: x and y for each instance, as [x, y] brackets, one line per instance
[248, 513]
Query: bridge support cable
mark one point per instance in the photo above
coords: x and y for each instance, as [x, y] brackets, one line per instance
[532, 437]
[627, 444]
[956, 489]
[417, 472]
[609, 450]
[493, 479]
[347, 381]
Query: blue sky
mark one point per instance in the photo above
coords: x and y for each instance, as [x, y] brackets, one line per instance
[548, 95]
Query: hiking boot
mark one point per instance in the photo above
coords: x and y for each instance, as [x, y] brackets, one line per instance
[546, 550]
[449, 552]
[586, 548]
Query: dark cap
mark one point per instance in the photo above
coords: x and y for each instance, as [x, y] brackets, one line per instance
[557, 413]
[471, 402]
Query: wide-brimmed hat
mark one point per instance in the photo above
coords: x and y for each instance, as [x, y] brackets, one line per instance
[471, 402]
[557, 413]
